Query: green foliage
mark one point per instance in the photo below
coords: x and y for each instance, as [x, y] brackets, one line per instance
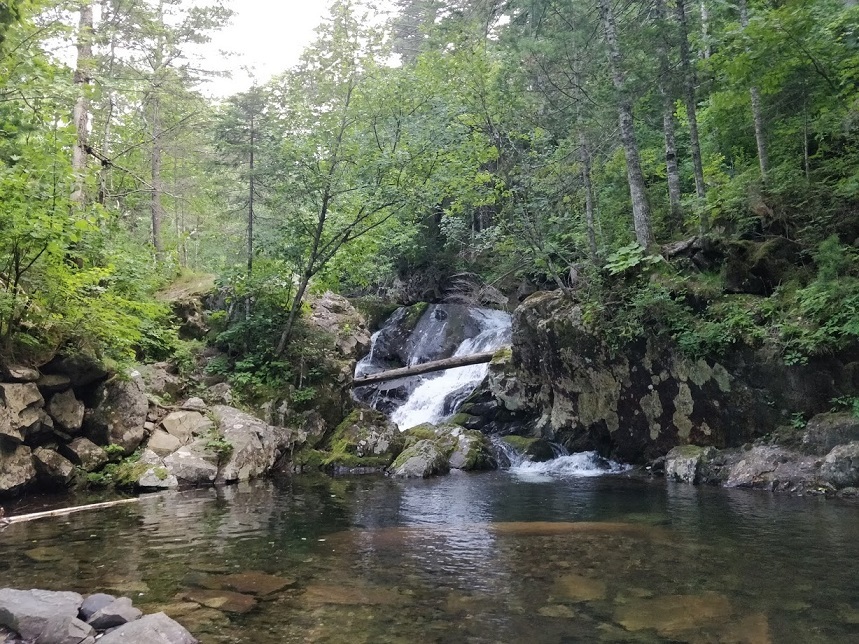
[630, 257]
[849, 403]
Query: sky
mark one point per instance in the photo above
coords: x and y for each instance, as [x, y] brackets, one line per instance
[267, 36]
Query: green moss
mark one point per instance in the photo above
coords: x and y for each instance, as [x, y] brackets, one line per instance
[503, 356]
[460, 419]
[520, 443]
[310, 459]
[374, 309]
[413, 315]
[161, 473]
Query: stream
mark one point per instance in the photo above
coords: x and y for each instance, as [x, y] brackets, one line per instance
[497, 557]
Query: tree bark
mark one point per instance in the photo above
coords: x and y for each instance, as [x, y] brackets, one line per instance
[426, 367]
[668, 123]
[590, 209]
[757, 112]
[82, 79]
[689, 84]
[640, 207]
[157, 210]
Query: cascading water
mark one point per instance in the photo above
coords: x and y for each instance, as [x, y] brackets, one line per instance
[443, 331]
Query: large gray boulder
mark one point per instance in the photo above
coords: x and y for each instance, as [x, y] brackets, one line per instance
[336, 316]
[163, 443]
[67, 411]
[161, 380]
[53, 469]
[826, 431]
[422, 460]
[195, 464]
[156, 476]
[118, 612]
[17, 470]
[840, 468]
[683, 463]
[771, 468]
[185, 425]
[119, 414]
[151, 629]
[254, 446]
[83, 452]
[44, 616]
[20, 410]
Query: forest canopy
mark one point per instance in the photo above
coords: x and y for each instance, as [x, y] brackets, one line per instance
[555, 142]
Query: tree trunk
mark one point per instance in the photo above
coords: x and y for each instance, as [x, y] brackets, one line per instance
[705, 28]
[82, 79]
[689, 83]
[668, 124]
[157, 209]
[638, 193]
[757, 113]
[426, 367]
[251, 190]
[590, 210]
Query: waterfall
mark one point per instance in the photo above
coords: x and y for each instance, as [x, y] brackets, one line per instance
[443, 331]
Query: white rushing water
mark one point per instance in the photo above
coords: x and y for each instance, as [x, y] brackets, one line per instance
[583, 464]
[437, 397]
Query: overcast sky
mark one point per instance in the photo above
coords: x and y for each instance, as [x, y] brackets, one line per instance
[265, 35]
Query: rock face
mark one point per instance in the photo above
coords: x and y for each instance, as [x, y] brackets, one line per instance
[20, 410]
[85, 453]
[120, 414]
[53, 469]
[423, 459]
[636, 403]
[184, 425]
[336, 316]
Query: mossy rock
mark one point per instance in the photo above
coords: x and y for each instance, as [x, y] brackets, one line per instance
[374, 309]
[537, 450]
[414, 313]
[365, 439]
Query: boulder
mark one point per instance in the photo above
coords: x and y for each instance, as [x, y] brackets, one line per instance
[83, 452]
[251, 447]
[53, 383]
[195, 404]
[840, 468]
[194, 464]
[163, 443]
[94, 603]
[66, 410]
[42, 432]
[770, 468]
[826, 431]
[156, 476]
[20, 410]
[421, 460]
[53, 470]
[17, 470]
[151, 629]
[119, 413]
[20, 373]
[184, 425]
[365, 441]
[336, 316]
[43, 616]
[160, 380]
[81, 370]
[683, 463]
[220, 394]
[118, 612]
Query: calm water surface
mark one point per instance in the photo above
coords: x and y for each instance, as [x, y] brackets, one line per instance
[469, 558]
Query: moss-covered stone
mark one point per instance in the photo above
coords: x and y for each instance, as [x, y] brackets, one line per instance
[365, 439]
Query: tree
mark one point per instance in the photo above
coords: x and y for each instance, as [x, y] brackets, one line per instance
[640, 206]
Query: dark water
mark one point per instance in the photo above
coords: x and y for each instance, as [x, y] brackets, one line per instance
[482, 558]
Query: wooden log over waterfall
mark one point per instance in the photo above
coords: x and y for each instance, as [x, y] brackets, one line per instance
[426, 367]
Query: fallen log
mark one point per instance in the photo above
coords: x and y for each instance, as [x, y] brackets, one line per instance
[21, 518]
[426, 367]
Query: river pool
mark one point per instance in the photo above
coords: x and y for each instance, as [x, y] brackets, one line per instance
[496, 557]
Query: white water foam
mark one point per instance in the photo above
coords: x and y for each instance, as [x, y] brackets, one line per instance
[581, 465]
[436, 398]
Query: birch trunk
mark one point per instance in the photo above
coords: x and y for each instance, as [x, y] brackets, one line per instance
[668, 124]
[689, 83]
[157, 210]
[638, 194]
[757, 112]
[82, 79]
